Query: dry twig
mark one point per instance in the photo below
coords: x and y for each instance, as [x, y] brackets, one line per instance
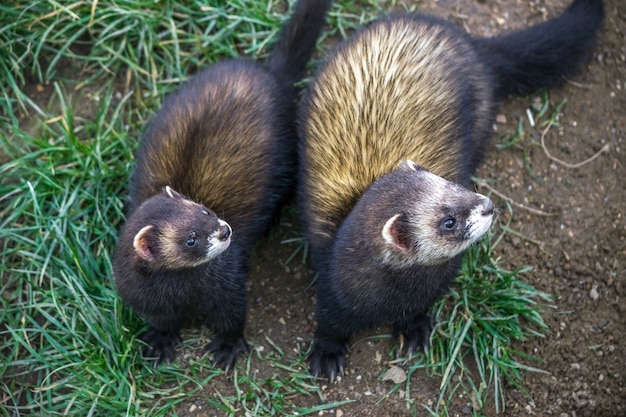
[605, 148]
[513, 202]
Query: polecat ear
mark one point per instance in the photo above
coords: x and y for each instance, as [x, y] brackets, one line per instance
[409, 165]
[143, 243]
[395, 234]
[171, 193]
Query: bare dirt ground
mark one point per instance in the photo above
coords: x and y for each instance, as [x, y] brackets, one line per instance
[578, 254]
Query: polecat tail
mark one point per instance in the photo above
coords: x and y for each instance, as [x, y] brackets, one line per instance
[542, 56]
[297, 41]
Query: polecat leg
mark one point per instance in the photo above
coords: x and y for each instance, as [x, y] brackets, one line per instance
[414, 334]
[160, 345]
[227, 318]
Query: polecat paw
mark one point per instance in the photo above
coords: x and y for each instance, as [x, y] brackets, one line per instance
[414, 336]
[328, 361]
[160, 346]
[225, 351]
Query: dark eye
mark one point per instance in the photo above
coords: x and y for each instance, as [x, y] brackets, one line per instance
[449, 224]
[191, 241]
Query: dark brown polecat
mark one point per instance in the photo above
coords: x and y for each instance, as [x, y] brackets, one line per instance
[226, 143]
[387, 241]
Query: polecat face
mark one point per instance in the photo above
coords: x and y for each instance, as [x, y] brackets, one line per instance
[437, 220]
[178, 233]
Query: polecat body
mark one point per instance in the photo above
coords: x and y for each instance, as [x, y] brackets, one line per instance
[226, 142]
[387, 241]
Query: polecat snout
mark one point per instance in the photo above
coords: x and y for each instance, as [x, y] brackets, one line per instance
[226, 140]
[387, 242]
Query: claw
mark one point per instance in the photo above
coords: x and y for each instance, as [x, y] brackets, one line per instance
[331, 375]
[409, 351]
[340, 369]
[225, 351]
[415, 335]
[328, 362]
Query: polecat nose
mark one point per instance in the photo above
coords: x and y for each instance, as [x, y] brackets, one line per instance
[224, 231]
[488, 207]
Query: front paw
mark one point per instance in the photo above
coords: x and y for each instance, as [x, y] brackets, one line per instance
[160, 346]
[226, 350]
[414, 336]
[328, 360]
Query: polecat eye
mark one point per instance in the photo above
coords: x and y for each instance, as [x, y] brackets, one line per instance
[449, 224]
[191, 241]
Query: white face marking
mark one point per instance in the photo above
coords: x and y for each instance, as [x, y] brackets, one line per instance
[431, 245]
[428, 249]
[217, 245]
[478, 223]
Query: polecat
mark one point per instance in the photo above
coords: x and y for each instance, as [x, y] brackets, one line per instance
[226, 142]
[387, 241]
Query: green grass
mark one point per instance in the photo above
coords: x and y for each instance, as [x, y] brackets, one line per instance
[489, 310]
[67, 344]
[150, 44]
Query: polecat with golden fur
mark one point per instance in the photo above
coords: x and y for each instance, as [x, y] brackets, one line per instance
[387, 240]
[224, 144]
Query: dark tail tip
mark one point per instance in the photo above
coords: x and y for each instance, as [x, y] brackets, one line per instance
[544, 55]
[297, 40]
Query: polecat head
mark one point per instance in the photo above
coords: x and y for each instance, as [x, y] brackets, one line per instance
[425, 219]
[173, 232]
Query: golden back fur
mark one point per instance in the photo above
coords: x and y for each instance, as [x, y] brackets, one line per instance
[215, 145]
[393, 92]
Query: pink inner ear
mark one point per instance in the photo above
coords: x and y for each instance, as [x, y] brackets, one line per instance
[392, 234]
[142, 244]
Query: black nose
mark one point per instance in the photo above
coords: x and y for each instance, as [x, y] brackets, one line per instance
[224, 232]
[488, 207]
